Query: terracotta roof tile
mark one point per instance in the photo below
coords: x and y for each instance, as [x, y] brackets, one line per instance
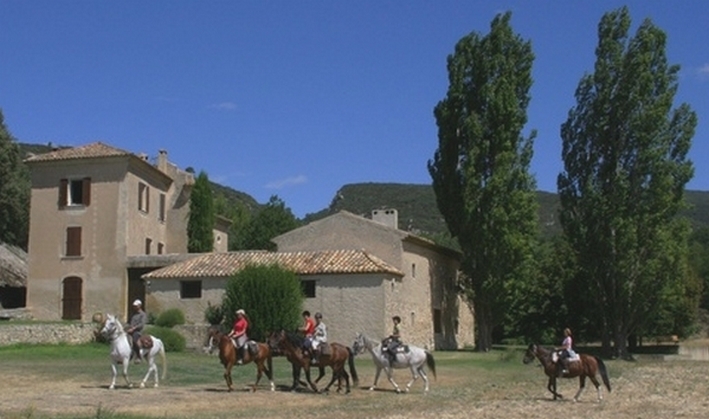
[213, 265]
[89, 151]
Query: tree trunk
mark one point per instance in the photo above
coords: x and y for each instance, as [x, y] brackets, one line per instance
[483, 328]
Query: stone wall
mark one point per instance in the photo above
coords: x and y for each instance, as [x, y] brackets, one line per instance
[47, 333]
[78, 333]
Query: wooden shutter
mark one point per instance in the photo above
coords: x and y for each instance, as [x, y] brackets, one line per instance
[63, 187]
[73, 241]
[86, 192]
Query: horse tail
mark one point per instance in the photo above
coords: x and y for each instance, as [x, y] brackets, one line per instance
[431, 363]
[164, 360]
[353, 371]
[604, 373]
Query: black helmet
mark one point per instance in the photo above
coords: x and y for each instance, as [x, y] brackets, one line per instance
[306, 313]
[318, 315]
[396, 318]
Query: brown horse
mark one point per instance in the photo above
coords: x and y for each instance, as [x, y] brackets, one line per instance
[290, 344]
[258, 353]
[586, 366]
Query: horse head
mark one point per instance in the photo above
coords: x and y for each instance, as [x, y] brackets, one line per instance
[358, 346]
[112, 328]
[530, 354]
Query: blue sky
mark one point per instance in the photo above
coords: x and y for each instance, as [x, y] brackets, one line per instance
[298, 98]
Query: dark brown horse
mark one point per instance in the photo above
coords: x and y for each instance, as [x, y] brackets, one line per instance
[258, 353]
[586, 366]
[290, 344]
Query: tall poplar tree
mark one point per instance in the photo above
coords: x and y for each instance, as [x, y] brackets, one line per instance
[14, 191]
[625, 170]
[200, 226]
[480, 170]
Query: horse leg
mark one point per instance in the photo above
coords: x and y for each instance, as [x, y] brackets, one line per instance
[113, 379]
[259, 373]
[151, 369]
[376, 377]
[551, 386]
[414, 377]
[296, 376]
[307, 377]
[126, 362]
[424, 377]
[390, 377]
[227, 376]
[582, 386]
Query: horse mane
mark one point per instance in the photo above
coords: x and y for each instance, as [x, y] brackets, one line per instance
[294, 338]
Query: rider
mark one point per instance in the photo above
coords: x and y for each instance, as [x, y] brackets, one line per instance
[319, 337]
[392, 343]
[238, 334]
[308, 328]
[135, 329]
[566, 351]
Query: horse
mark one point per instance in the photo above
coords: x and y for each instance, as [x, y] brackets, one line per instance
[290, 344]
[416, 359]
[258, 353]
[121, 351]
[586, 366]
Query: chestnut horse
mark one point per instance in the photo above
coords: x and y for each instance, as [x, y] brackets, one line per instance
[290, 344]
[585, 366]
[258, 353]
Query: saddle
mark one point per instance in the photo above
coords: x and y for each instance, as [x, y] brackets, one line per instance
[146, 342]
[556, 355]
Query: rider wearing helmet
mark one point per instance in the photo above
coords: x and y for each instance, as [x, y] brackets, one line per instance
[392, 343]
[135, 329]
[319, 337]
[308, 328]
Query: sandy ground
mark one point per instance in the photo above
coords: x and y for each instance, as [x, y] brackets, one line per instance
[652, 390]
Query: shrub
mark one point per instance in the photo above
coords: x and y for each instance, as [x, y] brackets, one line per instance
[170, 318]
[270, 295]
[172, 339]
[213, 314]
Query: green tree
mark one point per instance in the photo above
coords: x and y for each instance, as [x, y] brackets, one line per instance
[272, 220]
[200, 226]
[480, 170]
[14, 191]
[238, 214]
[625, 170]
[270, 295]
[699, 255]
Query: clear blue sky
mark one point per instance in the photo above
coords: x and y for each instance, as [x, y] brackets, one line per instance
[298, 98]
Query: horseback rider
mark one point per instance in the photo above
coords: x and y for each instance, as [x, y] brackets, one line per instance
[308, 328]
[319, 337]
[135, 329]
[565, 351]
[391, 344]
[238, 334]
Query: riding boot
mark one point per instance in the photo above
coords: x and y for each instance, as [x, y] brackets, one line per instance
[240, 355]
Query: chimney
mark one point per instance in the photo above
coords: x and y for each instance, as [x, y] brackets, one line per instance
[162, 160]
[388, 217]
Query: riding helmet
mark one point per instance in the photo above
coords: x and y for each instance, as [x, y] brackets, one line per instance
[318, 315]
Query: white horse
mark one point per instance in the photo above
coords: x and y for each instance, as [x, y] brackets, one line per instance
[416, 359]
[121, 351]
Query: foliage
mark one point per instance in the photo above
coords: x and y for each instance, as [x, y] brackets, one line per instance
[170, 318]
[480, 170]
[699, 256]
[14, 191]
[273, 220]
[172, 339]
[271, 296]
[200, 225]
[625, 169]
[213, 314]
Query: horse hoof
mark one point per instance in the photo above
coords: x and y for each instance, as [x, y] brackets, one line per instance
[156, 385]
[111, 387]
[371, 388]
[142, 385]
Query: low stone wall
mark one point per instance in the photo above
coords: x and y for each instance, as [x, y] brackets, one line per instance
[77, 333]
[45, 333]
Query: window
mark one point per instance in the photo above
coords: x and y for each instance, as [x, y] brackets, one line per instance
[308, 288]
[161, 210]
[161, 248]
[73, 241]
[148, 245]
[413, 270]
[74, 192]
[143, 197]
[190, 289]
[437, 326]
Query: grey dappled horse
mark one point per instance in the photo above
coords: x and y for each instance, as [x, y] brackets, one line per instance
[416, 359]
[121, 351]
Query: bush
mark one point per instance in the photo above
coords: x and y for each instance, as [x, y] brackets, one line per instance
[213, 314]
[172, 339]
[170, 318]
[270, 295]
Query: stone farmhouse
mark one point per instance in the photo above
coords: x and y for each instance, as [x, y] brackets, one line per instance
[108, 226]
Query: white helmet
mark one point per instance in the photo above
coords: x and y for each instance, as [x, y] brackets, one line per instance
[137, 303]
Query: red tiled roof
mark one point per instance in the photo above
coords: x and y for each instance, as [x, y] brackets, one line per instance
[89, 151]
[213, 265]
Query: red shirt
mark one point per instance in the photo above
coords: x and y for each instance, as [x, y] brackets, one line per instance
[309, 327]
[240, 326]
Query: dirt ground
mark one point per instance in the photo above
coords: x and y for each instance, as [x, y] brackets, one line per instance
[648, 390]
